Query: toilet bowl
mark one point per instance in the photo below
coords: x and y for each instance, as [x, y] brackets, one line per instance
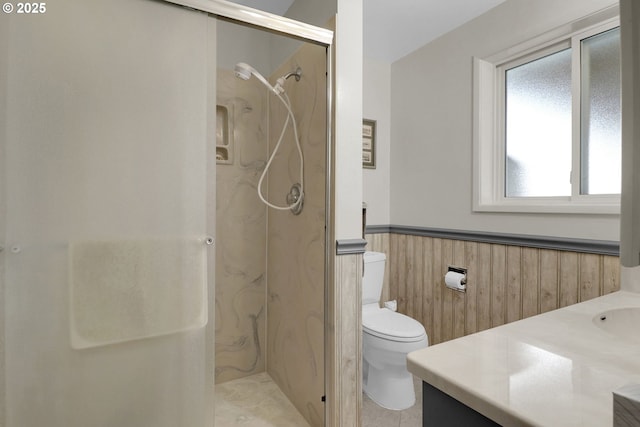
[387, 338]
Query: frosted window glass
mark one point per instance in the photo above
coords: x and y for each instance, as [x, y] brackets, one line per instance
[601, 155]
[538, 127]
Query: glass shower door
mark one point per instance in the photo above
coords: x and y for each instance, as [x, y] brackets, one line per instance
[104, 170]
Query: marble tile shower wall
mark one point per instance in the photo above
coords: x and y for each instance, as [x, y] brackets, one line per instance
[505, 283]
[241, 233]
[296, 244]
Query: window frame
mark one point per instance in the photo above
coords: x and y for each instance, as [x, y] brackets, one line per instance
[489, 146]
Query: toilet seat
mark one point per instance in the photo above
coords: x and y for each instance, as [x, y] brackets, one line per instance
[393, 326]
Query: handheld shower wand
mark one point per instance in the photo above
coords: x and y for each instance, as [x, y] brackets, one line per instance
[295, 198]
[244, 71]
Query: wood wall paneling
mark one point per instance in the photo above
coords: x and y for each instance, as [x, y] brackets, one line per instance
[392, 266]
[410, 277]
[418, 267]
[514, 284]
[402, 273]
[438, 291]
[427, 284]
[569, 278]
[447, 295]
[610, 274]
[344, 344]
[483, 285]
[530, 265]
[498, 284]
[471, 263]
[549, 279]
[459, 298]
[590, 276]
[504, 283]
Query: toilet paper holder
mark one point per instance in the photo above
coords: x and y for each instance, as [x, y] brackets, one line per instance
[458, 270]
[457, 283]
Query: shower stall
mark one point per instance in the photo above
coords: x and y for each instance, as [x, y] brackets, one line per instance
[270, 286]
[138, 265]
[270, 290]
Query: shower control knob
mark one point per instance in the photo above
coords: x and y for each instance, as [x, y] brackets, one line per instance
[295, 199]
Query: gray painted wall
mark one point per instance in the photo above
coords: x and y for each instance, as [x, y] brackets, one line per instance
[431, 126]
[376, 106]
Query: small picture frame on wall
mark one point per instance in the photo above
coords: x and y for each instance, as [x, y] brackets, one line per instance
[368, 144]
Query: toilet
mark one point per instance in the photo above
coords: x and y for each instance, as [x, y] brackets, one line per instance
[387, 338]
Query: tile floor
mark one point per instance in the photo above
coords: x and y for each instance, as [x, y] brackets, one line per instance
[376, 416]
[255, 401]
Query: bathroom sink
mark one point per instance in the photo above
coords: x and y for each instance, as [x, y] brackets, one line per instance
[621, 322]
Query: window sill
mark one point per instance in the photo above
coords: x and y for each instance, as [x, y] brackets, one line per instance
[605, 206]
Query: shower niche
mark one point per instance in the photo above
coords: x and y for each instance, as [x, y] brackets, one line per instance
[224, 135]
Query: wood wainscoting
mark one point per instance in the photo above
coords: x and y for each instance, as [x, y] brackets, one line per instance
[504, 283]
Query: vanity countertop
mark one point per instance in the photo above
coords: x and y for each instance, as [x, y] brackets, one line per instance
[553, 369]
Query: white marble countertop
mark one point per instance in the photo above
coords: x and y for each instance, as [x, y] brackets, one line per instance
[554, 369]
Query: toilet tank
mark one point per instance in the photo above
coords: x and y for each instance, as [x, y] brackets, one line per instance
[373, 277]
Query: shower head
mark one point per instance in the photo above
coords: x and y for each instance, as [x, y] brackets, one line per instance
[244, 71]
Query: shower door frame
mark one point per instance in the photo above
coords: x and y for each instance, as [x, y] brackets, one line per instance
[262, 20]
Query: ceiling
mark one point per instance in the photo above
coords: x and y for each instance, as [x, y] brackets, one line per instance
[393, 32]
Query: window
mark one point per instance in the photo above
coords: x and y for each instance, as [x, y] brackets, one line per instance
[537, 130]
[547, 123]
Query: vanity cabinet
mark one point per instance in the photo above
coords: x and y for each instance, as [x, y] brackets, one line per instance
[441, 410]
[558, 368]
